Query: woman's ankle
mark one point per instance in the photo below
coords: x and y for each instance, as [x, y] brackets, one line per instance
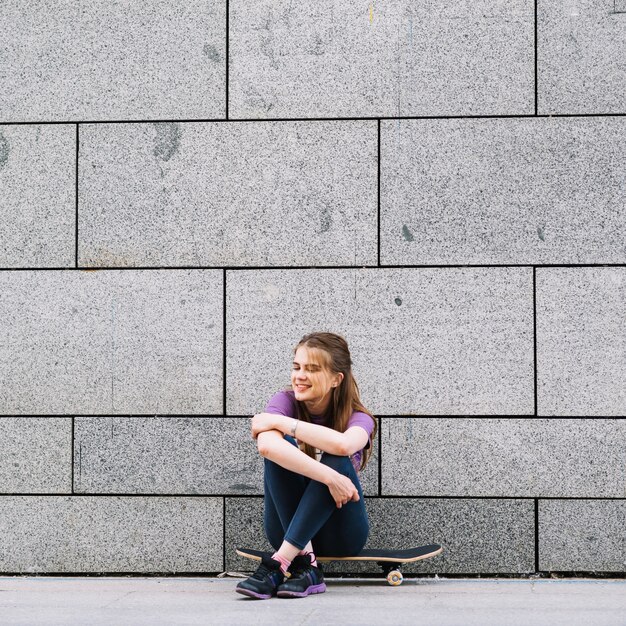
[284, 563]
[313, 559]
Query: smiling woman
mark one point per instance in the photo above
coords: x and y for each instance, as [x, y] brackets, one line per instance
[312, 506]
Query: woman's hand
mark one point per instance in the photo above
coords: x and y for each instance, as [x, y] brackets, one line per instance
[264, 421]
[342, 490]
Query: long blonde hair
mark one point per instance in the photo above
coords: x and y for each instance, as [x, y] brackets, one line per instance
[334, 352]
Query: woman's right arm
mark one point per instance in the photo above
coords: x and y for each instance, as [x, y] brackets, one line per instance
[272, 446]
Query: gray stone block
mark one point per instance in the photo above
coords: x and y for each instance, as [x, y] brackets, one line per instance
[35, 454]
[119, 341]
[244, 529]
[581, 341]
[37, 210]
[582, 535]
[392, 59]
[423, 341]
[73, 534]
[112, 61]
[581, 45]
[498, 191]
[479, 536]
[166, 455]
[504, 457]
[292, 193]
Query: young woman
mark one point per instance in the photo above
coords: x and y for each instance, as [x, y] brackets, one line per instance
[312, 507]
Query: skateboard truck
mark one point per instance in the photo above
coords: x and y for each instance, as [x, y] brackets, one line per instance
[392, 572]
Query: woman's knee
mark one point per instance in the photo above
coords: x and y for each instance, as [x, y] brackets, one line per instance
[341, 464]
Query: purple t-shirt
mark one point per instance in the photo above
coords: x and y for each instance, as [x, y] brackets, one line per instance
[284, 403]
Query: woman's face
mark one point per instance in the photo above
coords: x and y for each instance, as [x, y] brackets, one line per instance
[311, 381]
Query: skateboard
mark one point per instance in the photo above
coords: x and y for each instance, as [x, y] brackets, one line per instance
[391, 561]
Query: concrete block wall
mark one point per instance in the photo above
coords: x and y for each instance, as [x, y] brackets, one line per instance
[186, 188]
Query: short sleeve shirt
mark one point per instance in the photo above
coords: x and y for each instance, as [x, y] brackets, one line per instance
[285, 403]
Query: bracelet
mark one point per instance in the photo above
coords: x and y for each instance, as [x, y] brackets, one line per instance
[293, 428]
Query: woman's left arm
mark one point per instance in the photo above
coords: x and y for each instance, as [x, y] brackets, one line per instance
[322, 437]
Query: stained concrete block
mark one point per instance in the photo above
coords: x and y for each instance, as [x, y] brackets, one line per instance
[287, 193]
[423, 341]
[504, 457]
[35, 454]
[380, 59]
[581, 45]
[150, 59]
[37, 191]
[166, 455]
[187, 455]
[581, 341]
[498, 191]
[119, 341]
[479, 536]
[582, 535]
[75, 534]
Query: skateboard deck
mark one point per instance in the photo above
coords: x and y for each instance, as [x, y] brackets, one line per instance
[391, 561]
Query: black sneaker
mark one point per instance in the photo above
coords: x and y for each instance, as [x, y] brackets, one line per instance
[263, 584]
[305, 579]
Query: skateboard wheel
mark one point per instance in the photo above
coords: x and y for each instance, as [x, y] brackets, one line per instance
[394, 577]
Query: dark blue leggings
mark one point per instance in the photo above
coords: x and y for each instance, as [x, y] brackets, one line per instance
[299, 509]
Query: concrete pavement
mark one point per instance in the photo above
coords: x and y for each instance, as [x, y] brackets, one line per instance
[444, 602]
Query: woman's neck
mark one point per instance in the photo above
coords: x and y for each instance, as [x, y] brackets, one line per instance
[320, 407]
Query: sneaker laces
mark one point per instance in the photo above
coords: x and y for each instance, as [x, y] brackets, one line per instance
[262, 572]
